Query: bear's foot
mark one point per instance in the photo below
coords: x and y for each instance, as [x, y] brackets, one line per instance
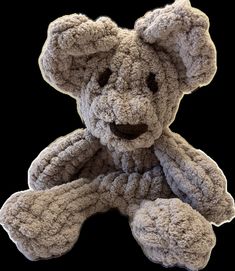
[46, 224]
[170, 232]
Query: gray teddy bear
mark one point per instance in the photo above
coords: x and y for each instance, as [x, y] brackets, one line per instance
[128, 85]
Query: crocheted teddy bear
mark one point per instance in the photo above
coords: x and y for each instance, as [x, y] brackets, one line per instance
[128, 85]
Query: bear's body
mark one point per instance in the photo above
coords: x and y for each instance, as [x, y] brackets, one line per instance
[128, 85]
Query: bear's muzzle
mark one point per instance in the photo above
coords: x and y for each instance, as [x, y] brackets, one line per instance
[128, 131]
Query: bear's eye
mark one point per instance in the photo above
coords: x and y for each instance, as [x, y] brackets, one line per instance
[104, 77]
[151, 82]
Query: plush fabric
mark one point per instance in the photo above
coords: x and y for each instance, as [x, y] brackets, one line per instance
[128, 85]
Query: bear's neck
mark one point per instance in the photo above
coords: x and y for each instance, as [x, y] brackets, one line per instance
[140, 160]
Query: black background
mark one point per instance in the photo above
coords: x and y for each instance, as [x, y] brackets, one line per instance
[33, 115]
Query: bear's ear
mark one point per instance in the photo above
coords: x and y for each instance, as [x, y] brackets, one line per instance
[182, 32]
[71, 40]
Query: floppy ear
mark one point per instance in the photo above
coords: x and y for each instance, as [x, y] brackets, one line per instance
[71, 40]
[182, 32]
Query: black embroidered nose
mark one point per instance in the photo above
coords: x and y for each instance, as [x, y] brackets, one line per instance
[128, 131]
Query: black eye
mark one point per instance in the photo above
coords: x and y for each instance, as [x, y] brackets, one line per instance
[151, 82]
[104, 77]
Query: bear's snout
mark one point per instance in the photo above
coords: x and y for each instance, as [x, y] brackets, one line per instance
[128, 131]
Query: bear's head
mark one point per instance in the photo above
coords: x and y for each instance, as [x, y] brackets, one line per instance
[128, 83]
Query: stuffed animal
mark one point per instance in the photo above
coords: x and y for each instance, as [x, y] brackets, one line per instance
[128, 85]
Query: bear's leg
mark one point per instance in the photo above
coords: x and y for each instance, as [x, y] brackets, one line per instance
[170, 232]
[46, 224]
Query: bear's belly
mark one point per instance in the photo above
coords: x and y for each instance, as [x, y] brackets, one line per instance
[104, 162]
[139, 161]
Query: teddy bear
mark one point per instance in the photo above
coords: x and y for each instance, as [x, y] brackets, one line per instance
[128, 85]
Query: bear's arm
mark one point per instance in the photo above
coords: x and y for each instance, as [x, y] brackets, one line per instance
[62, 159]
[194, 177]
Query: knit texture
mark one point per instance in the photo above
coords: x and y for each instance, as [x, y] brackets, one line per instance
[128, 85]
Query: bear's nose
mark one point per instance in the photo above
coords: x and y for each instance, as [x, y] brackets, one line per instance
[128, 131]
